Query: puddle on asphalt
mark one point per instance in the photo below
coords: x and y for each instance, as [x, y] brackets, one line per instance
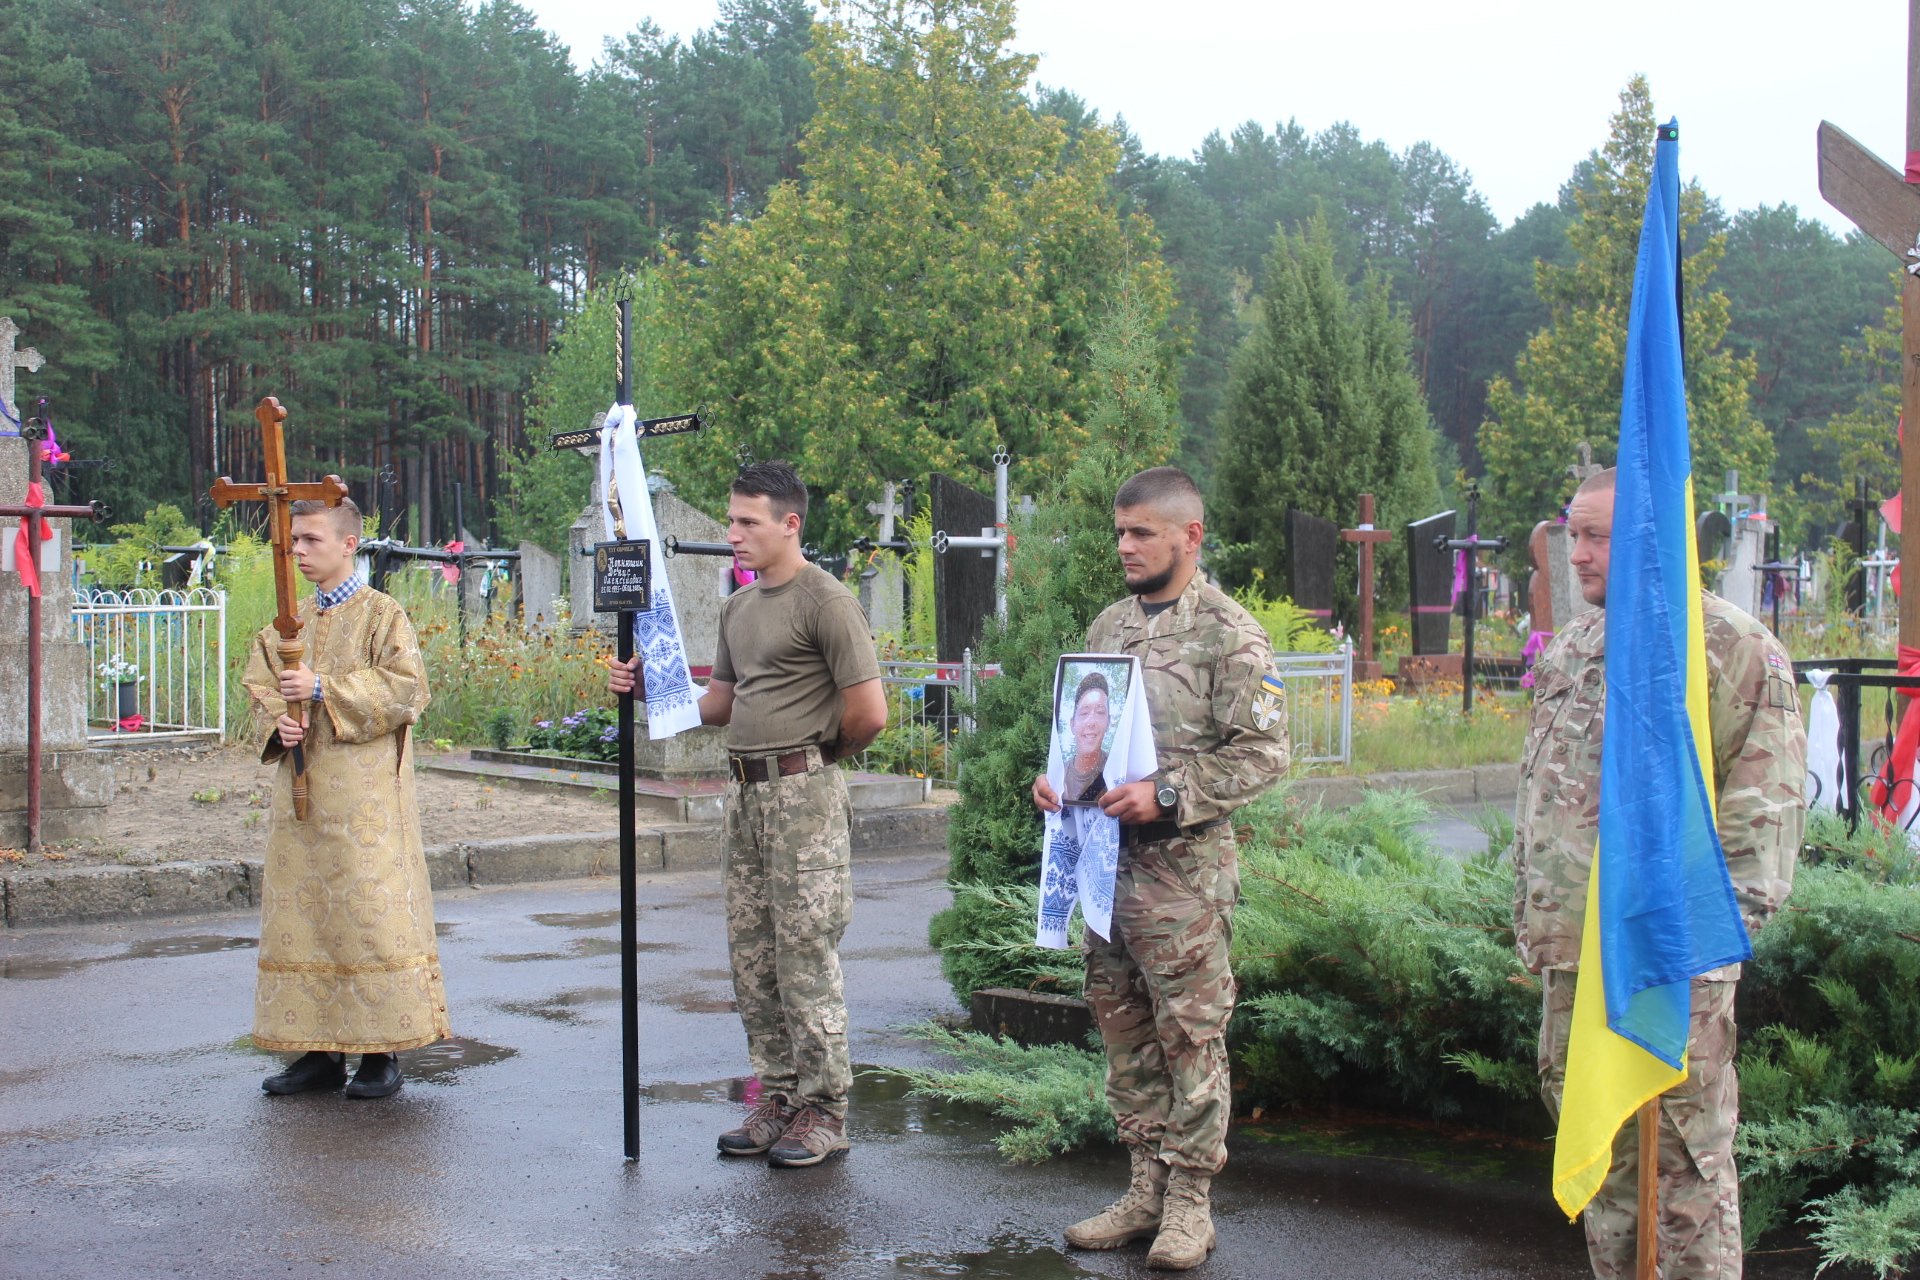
[879, 1101]
[582, 948]
[1456, 1155]
[1008, 1258]
[701, 1004]
[157, 948]
[197, 946]
[562, 1006]
[578, 919]
[442, 1063]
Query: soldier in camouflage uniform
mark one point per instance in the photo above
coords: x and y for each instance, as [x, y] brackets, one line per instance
[1759, 765]
[797, 684]
[1161, 989]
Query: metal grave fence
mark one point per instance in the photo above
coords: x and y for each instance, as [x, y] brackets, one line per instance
[1319, 704]
[927, 711]
[156, 663]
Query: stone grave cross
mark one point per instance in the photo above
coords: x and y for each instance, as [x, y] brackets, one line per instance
[1884, 202]
[11, 359]
[1364, 666]
[1586, 468]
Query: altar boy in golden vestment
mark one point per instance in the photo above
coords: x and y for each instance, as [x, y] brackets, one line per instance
[348, 961]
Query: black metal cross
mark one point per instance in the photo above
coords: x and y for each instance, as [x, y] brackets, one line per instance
[1473, 544]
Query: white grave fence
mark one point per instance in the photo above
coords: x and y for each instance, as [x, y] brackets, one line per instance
[175, 643]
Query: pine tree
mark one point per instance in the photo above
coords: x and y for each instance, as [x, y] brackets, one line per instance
[1064, 573]
[1566, 385]
[1322, 406]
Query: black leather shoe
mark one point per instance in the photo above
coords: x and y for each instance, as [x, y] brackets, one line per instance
[309, 1071]
[378, 1076]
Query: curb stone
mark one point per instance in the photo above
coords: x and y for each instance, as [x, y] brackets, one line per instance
[1486, 784]
[80, 895]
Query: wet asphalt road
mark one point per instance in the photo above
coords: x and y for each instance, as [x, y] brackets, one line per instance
[134, 1139]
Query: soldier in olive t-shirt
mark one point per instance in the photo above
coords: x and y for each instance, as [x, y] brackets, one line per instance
[788, 651]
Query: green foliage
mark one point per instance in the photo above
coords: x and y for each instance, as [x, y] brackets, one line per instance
[501, 727]
[1862, 440]
[1064, 572]
[1321, 407]
[1796, 295]
[573, 389]
[1566, 384]
[1055, 1095]
[591, 733]
[926, 297]
[1290, 628]
[133, 558]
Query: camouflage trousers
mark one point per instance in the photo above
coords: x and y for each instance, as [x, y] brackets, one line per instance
[1162, 993]
[1699, 1187]
[789, 892]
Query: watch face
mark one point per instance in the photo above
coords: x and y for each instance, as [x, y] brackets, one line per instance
[1167, 797]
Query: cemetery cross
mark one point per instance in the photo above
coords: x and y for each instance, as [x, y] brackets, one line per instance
[27, 545]
[1885, 203]
[585, 440]
[1470, 547]
[12, 358]
[1364, 667]
[280, 495]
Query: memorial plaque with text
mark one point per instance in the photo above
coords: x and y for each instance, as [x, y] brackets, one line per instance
[622, 576]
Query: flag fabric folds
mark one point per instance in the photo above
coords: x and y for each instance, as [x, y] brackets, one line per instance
[673, 703]
[1660, 906]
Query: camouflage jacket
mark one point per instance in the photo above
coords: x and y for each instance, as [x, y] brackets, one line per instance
[1759, 768]
[1219, 720]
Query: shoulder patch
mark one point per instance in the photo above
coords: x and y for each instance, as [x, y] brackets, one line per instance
[1269, 703]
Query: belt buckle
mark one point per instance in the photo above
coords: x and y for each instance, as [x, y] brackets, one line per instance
[738, 767]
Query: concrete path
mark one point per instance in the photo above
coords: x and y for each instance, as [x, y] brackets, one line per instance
[134, 1140]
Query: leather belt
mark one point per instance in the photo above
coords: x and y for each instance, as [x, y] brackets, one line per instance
[1155, 832]
[786, 765]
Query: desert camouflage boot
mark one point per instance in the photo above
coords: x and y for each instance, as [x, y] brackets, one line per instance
[761, 1129]
[812, 1137]
[1186, 1229]
[1134, 1216]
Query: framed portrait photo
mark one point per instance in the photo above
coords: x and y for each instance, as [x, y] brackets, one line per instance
[1090, 693]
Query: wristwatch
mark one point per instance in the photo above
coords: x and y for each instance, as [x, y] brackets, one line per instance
[1168, 796]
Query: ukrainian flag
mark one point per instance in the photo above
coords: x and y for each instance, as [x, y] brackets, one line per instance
[1660, 906]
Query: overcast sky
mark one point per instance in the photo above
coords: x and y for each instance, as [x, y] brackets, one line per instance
[1517, 91]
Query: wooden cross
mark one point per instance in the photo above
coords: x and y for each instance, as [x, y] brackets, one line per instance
[1364, 666]
[1885, 203]
[10, 359]
[279, 495]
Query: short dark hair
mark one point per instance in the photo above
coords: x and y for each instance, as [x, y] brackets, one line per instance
[1163, 487]
[1599, 482]
[346, 515]
[778, 483]
[1090, 681]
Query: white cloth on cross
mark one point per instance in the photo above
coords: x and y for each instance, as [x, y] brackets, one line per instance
[673, 704]
[1826, 776]
[1080, 847]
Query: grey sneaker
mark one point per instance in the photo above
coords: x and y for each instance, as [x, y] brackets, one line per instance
[812, 1137]
[761, 1129]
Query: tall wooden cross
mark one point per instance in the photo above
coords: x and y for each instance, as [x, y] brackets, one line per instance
[1884, 202]
[1364, 666]
[280, 495]
[12, 358]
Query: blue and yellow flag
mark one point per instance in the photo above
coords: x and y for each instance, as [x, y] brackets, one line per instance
[1660, 905]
